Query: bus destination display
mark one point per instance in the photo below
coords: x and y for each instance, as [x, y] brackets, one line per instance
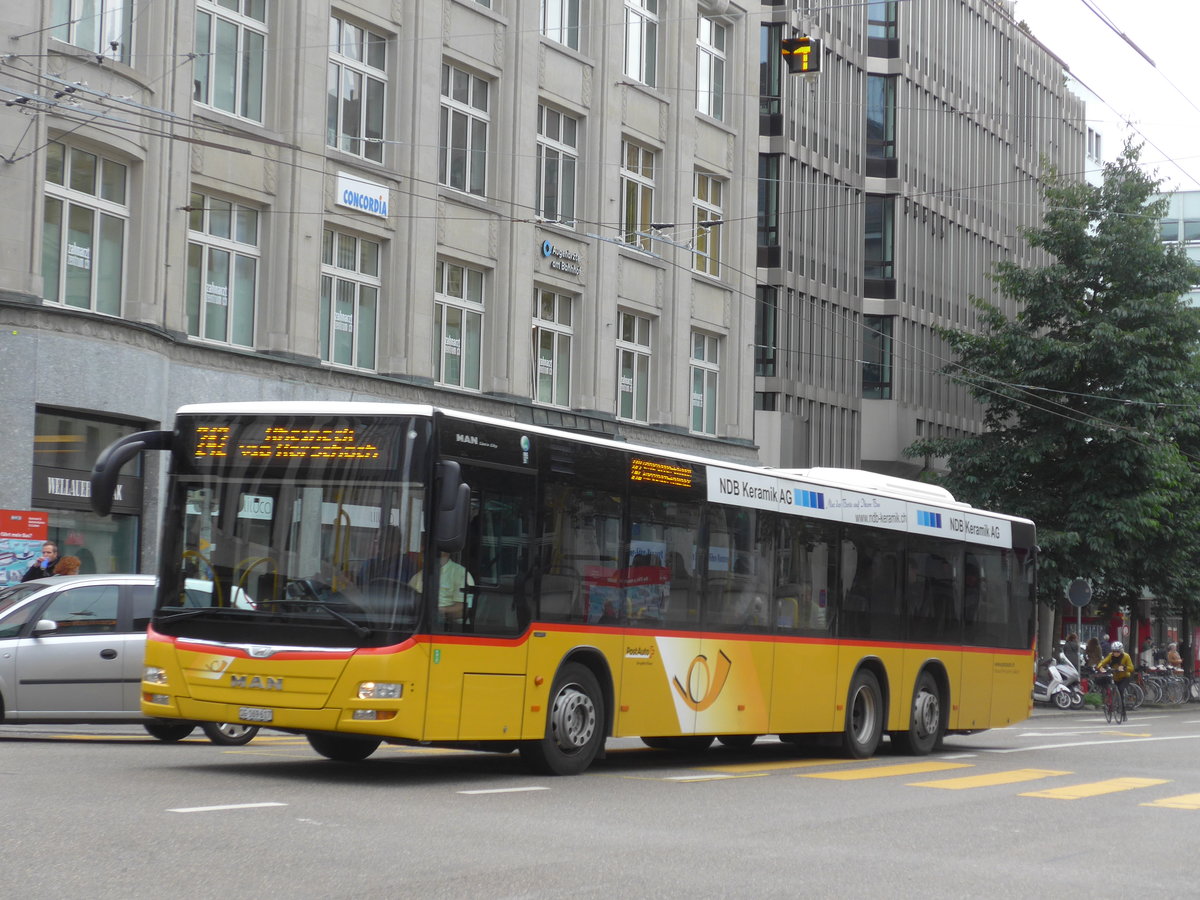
[306, 442]
[659, 472]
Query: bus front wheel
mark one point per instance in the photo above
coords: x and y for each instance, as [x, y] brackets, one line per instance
[343, 748]
[925, 719]
[169, 731]
[574, 724]
[864, 716]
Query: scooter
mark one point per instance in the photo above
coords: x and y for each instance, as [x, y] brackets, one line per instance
[1070, 677]
[1049, 686]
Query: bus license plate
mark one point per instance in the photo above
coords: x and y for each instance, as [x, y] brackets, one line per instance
[255, 714]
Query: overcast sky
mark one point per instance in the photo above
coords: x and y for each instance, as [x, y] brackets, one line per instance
[1161, 100]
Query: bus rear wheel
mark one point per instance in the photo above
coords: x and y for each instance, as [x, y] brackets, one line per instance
[574, 724]
[864, 716]
[343, 748]
[925, 719]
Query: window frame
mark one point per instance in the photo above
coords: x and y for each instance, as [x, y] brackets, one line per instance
[711, 66]
[634, 353]
[553, 386]
[96, 33]
[364, 329]
[637, 193]
[706, 239]
[477, 127]
[468, 310]
[705, 370]
[104, 211]
[373, 87]
[249, 19]
[641, 41]
[555, 19]
[207, 242]
[557, 166]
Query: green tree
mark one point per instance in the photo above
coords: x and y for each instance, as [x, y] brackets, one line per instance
[1090, 393]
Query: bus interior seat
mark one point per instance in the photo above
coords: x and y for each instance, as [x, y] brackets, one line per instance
[560, 596]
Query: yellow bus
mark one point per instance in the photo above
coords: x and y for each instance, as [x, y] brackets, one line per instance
[414, 575]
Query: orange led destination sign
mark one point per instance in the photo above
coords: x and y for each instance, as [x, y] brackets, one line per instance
[216, 441]
[659, 473]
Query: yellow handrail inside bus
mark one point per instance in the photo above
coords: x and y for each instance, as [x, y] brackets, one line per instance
[251, 563]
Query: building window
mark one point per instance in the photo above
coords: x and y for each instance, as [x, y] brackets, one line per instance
[357, 90]
[560, 21]
[705, 372]
[1094, 150]
[102, 27]
[637, 193]
[877, 357]
[881, 116]
[552, 337]
[766, 330]
[231, 38]
[878, 249]
[641, 41]
[770, 69]
[464, 131]
[83, 235]
[458, 325]
[768, 199]
[558, 136]
[706, 220]
[881, 19]
[222, 275]
[350, 285]
[710, 67]
[633, 367]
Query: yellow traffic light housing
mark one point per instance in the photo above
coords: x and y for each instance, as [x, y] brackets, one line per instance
[803, 54]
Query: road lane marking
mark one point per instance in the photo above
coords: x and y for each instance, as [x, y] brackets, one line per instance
[513, 790]
[886, 771]
[714, 777]
[775, 766]
[1145, 740]
[1184, 801]
[1013, 776]
[1096, 788]
[227, 806]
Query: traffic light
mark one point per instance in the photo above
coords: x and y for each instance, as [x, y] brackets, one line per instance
[803, 54]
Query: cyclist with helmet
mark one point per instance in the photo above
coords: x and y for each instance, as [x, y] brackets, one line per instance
[1118, 663]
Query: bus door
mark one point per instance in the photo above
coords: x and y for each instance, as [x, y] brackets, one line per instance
[659, 597]
[481, 597]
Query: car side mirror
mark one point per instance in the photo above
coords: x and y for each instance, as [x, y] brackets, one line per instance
[44, 626]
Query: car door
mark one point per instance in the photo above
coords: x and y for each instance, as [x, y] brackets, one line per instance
[74, 672]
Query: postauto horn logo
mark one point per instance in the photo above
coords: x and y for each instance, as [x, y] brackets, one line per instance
[703, 687]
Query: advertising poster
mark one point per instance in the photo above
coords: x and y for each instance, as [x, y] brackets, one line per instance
[22, 533]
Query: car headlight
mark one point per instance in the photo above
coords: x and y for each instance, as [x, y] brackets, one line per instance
[380, 690]
[154, 675]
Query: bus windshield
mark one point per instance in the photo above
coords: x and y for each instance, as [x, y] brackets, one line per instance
[290, 546]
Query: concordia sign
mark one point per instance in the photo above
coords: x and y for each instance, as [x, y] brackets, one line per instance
[364, 196]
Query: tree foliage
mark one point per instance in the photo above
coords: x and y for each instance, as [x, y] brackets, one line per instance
[1090, 393]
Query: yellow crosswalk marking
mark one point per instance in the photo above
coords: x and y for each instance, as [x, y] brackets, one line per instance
[887, 771]
[1096, 788]
[1013, 776]
[774, 766]
[1184, 801]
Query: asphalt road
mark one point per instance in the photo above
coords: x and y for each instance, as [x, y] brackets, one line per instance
[1061, 804]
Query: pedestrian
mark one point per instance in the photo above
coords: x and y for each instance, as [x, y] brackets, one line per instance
[1091, 653]
[44, 567]
[1071, 649]
[67, 565]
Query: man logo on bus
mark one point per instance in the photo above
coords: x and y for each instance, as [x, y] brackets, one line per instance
[702, 688]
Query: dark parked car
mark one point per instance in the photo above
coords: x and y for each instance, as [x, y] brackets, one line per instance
[72, 649]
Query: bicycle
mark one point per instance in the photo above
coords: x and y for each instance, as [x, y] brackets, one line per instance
[1113, 698]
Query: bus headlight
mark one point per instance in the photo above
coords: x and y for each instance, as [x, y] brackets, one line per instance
[154, 675]
[380, 690]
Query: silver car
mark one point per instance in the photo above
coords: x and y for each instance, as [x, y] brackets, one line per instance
[72, 649]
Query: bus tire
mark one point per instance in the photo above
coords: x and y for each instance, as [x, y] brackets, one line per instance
[169, 731]
[925, 719]
[864, 716]
[684, 743]
[343, 748]
[574, 724]
[229, 734]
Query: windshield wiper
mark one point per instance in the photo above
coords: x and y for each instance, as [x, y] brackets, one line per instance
[314, 599]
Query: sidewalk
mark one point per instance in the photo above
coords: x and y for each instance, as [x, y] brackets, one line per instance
[1041, 710]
